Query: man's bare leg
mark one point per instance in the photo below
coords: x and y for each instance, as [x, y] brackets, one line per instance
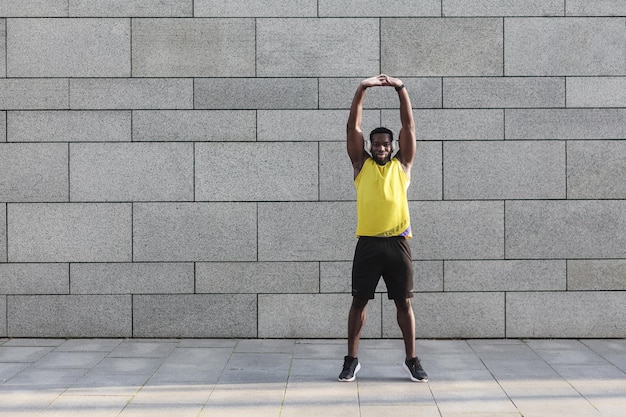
[356, 321]
[406, 321]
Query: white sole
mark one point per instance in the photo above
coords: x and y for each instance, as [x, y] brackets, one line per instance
[408, 371]
[358, 367]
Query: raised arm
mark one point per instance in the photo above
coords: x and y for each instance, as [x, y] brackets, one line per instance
[355, 140]
[406, 137]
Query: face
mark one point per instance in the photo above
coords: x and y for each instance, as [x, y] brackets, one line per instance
[381, 148]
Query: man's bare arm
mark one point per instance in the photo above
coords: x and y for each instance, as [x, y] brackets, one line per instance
[406, 137]
[355, 139]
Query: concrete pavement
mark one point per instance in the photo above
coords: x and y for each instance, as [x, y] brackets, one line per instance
[298, 378]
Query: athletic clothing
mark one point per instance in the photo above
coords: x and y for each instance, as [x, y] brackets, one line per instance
[389, 257]
[383, 227]
[382, 207]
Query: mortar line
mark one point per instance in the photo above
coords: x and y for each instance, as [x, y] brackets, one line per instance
[6, 229]
[132, 232]
[6, 47]
[504, 229]
[503, 47]
[69, 176]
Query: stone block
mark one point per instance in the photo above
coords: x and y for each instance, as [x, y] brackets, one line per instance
[596, 275]
[255, 93]
[316, 47]
[306, 231]
[3, 126]
[565, 123]
[30, 279]
[127, 93]
[194, 232]
[545, 46]
[427, 276]
[257, 277]
[451, 315]
[372, 8]
[194, 125]
[595, 8]
[426, 174]
[3, 316]
[500, 92]
[442, 47]
[33, 8]
[195, 315]
[457, 230]
[50, 232]
[596, 169]
[68, 47]
[336, 173]
[132, 278]
[131, 171]
[272, 171]
[504, 170]
[565, 229]
[509, 275]
[258, 8]
[596, 92]
[3, 232]
[193, 47]
[33, 94]
[312, 316]
[131, 8]
[68, 126]
[33, 172]
[312, 125]
[559, 314]
[338, 92]
[453, 124]
[3, 46]
[69, 316]
[336, 277]
[498, 8]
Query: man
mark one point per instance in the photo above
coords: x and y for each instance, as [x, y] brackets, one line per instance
[383, 223]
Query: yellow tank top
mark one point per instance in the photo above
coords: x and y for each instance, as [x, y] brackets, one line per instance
[381, 203]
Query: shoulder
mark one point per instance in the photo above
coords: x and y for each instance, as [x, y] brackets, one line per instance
[400, 167]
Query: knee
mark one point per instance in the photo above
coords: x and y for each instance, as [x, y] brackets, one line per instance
[403, 305]
[358, 304]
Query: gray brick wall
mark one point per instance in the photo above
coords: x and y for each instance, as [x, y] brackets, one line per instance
[177, 168]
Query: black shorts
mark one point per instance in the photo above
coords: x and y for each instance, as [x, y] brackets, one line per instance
[389, 257]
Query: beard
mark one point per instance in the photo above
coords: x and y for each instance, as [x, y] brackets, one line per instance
[380, 161]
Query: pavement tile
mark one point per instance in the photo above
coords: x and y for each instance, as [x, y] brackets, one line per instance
[399, 411]
[45, 378]
[25, 401]
[143, 349]
[160, 410]
[181, 393]
[27, 354]
[286, 377]
[79, 406]
[265, 346]
[86, 360]
[9, 370]
[89, 345]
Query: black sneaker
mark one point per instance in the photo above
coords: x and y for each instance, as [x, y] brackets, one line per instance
[350, 367]
[415, 370]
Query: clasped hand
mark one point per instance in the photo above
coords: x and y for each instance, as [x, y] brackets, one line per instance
[381, 80]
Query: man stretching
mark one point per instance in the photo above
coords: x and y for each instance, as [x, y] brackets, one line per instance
[383, 223]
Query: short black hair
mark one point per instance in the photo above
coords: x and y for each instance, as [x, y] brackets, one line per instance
[382, 130]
